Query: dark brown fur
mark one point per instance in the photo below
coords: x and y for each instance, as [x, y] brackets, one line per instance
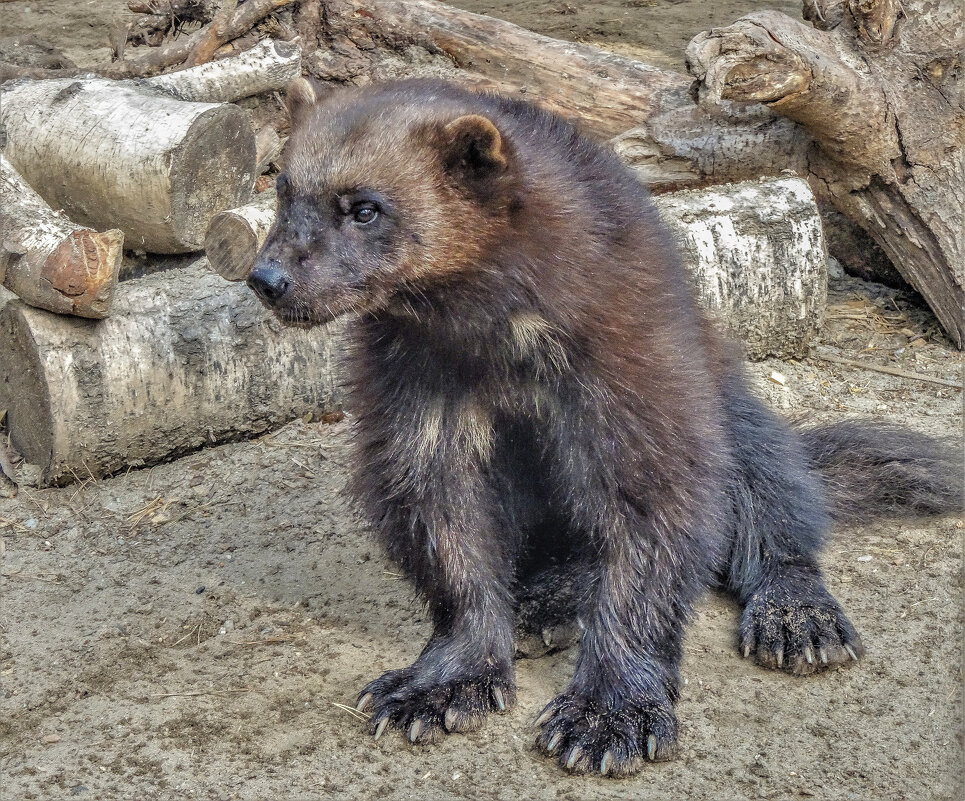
[537, 397]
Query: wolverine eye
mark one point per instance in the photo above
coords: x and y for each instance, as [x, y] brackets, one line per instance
[364, 213]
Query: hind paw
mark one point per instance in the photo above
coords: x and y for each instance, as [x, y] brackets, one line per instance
[800, 635]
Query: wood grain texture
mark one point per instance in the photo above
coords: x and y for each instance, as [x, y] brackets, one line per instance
[186, 360]
[877, 86]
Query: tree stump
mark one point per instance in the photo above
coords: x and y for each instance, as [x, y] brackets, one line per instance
[877, 86]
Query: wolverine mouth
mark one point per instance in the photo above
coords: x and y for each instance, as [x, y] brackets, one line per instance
[297, 319]
[309, 318]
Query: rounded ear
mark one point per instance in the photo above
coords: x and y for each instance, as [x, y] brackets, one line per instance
[473, 143]
[300, 97]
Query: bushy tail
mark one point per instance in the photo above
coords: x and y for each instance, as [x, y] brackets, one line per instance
[871, 470]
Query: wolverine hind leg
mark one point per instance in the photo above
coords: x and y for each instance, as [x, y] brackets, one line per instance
[790, 621]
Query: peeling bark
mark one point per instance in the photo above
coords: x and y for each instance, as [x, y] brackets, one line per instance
[876, 84]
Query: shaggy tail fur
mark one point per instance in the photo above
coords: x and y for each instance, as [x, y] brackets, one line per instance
[871, 470]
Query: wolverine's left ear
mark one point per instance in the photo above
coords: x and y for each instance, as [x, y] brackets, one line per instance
[473, 144]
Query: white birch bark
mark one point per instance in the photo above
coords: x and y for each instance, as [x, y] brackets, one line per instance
[185, 360]
[270, 65]
[113, 155]
[757, 255]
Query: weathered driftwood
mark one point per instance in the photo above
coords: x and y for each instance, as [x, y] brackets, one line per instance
[673, 143]
[606, 93]
[877, 87]
[49, 261]
[113, 155]
[755, 250]
[269, 65]
[186, 360]
[235, 236]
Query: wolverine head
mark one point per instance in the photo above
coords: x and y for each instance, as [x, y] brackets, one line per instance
[384, 190]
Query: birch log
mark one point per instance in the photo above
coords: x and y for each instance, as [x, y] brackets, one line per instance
[755, 250]
[269, 65]
[186, 360]
[235, 236]
[49, 261]
[757, 255]
[113, 155]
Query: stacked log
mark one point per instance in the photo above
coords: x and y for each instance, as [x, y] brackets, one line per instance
[755, 250]
[50, 261]
[185, 360]
[114, 155]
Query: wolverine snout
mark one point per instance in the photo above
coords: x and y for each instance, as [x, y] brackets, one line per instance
[269, 281]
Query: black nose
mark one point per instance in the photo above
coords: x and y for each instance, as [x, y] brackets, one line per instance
[269, 281]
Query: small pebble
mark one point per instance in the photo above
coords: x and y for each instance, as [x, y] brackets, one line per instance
[864, 558]
[199, 590]
[50, 739]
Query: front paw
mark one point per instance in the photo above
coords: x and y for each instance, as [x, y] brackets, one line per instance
[426, 708]
[799, 633]
[616, 741]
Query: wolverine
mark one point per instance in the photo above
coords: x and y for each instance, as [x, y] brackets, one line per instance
[539, 404]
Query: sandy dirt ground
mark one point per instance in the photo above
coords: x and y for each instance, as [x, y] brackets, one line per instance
[199, 629]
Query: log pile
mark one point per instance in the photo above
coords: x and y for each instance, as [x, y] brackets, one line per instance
[877, 87]
[185, 359]
[755, 251]
[865, 105]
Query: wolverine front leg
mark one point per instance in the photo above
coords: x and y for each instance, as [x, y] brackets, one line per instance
[651, 538]
[617, 711]
[439, 520]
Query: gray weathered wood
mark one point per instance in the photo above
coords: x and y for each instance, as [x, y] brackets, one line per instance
[877, 87]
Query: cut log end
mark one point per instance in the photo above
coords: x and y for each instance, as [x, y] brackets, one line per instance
[83, 268]
[215, 169]
[234, 237]
[49, 261]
